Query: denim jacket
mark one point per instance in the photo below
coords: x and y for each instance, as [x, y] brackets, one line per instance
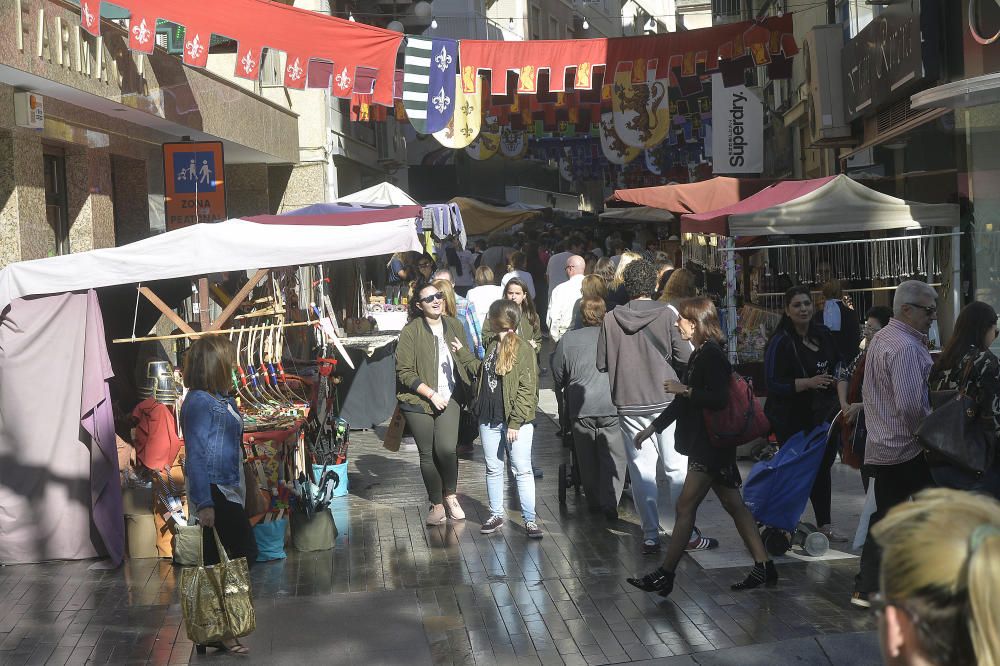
[213, 442]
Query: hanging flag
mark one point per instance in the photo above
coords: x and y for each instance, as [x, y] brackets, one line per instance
[429, 69]
[303, 35]
[465, 123]
[738, 141]
[615, 150]
[513, 143]
[639, 104]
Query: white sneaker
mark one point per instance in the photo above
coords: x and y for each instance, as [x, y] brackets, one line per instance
[453, 508]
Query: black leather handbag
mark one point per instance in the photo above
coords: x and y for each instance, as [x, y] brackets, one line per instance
[954, 431]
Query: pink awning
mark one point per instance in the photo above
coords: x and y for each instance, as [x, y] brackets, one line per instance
[697, 197]
[717, 221]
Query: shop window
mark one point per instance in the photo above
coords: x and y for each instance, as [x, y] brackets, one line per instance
[56, 202]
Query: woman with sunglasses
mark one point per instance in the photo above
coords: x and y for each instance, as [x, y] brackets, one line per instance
[968, 353]
[939, 596]
[429, 374]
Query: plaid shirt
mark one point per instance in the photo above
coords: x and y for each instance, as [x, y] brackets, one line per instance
[895, 393]
[466, 313]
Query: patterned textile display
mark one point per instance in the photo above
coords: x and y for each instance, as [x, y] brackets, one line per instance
[429, 69]
[363, 56]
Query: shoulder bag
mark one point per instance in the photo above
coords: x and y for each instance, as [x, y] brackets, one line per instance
[741, 421]
[953, 430]
[215, 599]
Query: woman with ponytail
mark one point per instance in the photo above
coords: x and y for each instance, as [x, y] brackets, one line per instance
[507, 395]
[940, 580]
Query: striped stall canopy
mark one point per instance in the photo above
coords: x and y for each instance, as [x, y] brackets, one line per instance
[429, 70]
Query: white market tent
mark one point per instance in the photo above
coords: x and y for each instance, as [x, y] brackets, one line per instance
[383, 194]
[211, 248]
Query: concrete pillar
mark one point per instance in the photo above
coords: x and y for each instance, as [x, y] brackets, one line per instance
[246, 190]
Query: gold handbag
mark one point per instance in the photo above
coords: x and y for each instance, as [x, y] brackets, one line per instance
[215, 600]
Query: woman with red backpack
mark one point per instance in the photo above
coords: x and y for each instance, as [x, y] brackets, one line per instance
[705, 386]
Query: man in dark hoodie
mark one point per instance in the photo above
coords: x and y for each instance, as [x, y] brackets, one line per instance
[638, 347]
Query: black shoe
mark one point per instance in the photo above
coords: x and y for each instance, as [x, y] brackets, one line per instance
[658, 581]
[763, 573]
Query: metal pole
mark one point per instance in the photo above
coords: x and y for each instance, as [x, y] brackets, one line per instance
[730, 261]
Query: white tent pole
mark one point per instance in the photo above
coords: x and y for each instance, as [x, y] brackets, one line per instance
[730, 262]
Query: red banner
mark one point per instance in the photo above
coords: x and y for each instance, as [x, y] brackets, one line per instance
[355, 49]
[767, 42]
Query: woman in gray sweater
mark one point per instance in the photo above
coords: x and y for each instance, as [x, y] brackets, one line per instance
[597, 437]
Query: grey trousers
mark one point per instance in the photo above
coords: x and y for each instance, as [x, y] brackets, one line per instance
[600, 455]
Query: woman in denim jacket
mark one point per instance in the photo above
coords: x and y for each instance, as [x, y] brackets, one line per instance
[213, 434]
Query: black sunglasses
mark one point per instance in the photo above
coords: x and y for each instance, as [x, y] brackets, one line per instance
[433, 297]
[929, 309]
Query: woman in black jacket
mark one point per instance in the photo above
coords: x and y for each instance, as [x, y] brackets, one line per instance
[801, 365]
[705, 387]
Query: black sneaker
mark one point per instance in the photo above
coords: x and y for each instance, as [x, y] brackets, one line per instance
[532, 529]
[491, 525]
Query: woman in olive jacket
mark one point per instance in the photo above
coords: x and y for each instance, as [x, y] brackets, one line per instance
[429, 376]
[506, 399]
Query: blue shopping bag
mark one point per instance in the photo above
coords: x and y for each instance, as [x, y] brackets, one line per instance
[270, 539]
[776, 491]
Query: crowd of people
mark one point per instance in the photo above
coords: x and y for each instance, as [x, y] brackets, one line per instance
[638, 359]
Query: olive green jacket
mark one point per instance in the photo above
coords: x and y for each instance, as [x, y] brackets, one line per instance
[524, 329]
[417, 362]
[520, 385]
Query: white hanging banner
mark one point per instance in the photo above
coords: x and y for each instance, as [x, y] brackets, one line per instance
[737, 129]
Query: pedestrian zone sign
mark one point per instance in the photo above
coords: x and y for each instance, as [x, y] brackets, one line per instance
[194, 180]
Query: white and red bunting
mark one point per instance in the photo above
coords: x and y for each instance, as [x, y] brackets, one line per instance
[362, 57]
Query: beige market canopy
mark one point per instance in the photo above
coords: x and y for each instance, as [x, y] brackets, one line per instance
[481, 218]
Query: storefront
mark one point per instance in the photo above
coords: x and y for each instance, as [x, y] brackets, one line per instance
[972, 99]
[82, 121]
[911, 153]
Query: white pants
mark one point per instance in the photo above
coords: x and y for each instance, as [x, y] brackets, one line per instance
[642, 470]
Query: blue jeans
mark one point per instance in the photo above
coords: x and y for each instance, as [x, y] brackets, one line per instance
[495, 447]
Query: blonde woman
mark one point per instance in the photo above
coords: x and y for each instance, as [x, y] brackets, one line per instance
[940, 580]
[616, 290]
[444, 286]
[507, 396]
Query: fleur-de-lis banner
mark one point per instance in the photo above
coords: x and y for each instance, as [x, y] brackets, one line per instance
[429, 69]
[363, 56]
[464, 126]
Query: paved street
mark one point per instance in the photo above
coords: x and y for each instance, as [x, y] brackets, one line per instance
[395, 591]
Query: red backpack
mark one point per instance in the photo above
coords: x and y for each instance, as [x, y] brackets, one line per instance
[740, 421]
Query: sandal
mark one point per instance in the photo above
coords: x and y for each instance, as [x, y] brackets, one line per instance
[235, 648]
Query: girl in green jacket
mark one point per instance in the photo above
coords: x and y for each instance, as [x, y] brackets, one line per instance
[507, 396]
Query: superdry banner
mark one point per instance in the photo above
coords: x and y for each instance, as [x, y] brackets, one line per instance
[363, 57]
[737, 129]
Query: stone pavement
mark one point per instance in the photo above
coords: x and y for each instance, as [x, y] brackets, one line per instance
[395, 591]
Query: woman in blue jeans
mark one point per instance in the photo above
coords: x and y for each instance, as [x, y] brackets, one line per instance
[507, 395]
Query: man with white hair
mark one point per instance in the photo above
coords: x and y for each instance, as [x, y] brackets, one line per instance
[896, 400]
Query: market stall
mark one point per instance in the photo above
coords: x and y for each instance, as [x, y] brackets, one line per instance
[698, 197]
[59, 477]
[811, 231]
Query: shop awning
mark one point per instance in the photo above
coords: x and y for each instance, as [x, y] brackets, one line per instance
[480, 218]
[334, 215]
[836, 204]
[636, 214]
[214, 248]
[697, 197]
